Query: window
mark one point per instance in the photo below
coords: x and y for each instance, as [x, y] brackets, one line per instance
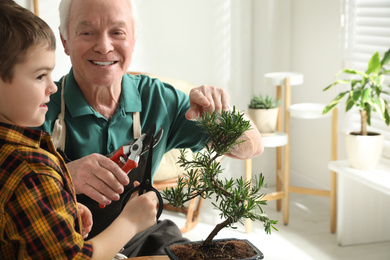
[367, 30]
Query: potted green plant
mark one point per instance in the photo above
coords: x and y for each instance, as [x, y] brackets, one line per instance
[366, 91]
[235, 199]
[264, 109]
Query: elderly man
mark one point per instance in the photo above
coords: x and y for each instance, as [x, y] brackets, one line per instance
[101, 104]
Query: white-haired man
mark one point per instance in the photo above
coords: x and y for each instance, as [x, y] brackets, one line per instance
[102, 99]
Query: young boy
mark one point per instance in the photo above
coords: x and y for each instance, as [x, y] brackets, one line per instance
[39, 215]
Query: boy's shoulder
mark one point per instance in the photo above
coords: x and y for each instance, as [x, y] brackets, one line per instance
[19, 162]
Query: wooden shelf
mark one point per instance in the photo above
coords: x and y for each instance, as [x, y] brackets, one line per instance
[274, 140]
[283, 82]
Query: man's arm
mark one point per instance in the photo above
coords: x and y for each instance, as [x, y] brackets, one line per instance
[207, 99]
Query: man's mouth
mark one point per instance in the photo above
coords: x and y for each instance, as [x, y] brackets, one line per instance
[104, 63]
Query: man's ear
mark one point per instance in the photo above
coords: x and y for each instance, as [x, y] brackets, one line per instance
[64, 44]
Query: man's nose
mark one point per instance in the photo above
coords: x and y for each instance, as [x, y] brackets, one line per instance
[104, 44]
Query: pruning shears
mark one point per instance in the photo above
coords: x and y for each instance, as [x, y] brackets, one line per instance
[127, 156]
[146, 183]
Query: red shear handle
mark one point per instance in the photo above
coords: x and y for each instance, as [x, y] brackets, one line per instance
[117, 155]
[130, 164]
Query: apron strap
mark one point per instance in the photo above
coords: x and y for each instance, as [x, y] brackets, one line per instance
[59, 130]
[136, 125]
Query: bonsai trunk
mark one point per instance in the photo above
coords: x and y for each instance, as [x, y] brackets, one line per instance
[363, 122]
[216, 230]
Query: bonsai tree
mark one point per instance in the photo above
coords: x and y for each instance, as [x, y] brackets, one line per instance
[235, 199]
[264, 102]
[365, 91]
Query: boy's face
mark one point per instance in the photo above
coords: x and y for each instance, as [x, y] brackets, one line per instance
[22, 101]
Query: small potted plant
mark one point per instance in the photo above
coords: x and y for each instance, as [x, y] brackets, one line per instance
[366, 91]
[236, 199]
[264, 109]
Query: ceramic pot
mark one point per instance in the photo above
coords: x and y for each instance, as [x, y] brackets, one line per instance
[364, 151]
[259, 255]
[264, 119]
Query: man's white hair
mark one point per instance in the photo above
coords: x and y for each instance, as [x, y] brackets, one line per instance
[64, 8]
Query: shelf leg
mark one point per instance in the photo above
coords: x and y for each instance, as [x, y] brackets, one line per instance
[248, 177]
[279, 150]
[333, 177]
[286, 168]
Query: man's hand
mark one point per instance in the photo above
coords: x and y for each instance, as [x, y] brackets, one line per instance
[207, 99]
[98, 177]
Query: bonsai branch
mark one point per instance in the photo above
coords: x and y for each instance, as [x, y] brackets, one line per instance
[236, 199]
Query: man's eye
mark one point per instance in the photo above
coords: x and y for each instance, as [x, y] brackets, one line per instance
[118, 33]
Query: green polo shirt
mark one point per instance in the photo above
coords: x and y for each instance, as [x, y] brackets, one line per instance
[158, 103]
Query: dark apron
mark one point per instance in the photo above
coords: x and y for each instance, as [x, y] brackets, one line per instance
[149, 242]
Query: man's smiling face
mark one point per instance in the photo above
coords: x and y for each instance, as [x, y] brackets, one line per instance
[100, 40]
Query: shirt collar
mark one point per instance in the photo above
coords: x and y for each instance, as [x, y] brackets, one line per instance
[130, 94]
[130, 99]
[20, 135]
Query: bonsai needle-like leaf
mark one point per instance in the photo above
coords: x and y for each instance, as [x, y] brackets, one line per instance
[234, 198]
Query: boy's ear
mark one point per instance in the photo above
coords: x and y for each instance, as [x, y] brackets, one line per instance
[66, 50]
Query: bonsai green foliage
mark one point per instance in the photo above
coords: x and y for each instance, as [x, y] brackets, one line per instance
[235, 199]
[365, 92]
[264, 102]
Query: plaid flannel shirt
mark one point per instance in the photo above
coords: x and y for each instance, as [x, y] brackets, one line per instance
[38, 212]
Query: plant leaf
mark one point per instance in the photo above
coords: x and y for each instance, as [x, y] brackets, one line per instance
[366, 96]
[341, 81]
[354, 72]
[349, 104]
[386, 58]
[334, 102]
[374, 65]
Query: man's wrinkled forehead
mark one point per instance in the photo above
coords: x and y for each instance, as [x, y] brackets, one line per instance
[86, 24]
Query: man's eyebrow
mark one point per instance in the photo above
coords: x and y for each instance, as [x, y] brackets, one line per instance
[86, 23]
[83, 23]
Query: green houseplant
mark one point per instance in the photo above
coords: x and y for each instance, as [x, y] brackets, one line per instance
[235, 199]
[263, 102]
[264, 109]
[366, 94]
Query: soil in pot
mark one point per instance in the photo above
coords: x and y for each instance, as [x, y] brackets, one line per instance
[217, 250]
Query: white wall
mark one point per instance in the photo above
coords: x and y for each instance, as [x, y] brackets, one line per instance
[232, 44]
[316, 52]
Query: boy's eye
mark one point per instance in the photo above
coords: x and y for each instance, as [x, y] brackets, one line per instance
[40, 77]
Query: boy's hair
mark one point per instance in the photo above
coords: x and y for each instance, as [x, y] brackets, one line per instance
[20, 29]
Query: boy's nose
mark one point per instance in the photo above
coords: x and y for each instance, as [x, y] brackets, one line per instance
[52, 88]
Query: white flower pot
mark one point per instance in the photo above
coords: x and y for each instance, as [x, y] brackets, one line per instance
[265, 119]
[364, 152]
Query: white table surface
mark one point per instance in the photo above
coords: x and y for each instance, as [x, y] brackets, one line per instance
[378, 178]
